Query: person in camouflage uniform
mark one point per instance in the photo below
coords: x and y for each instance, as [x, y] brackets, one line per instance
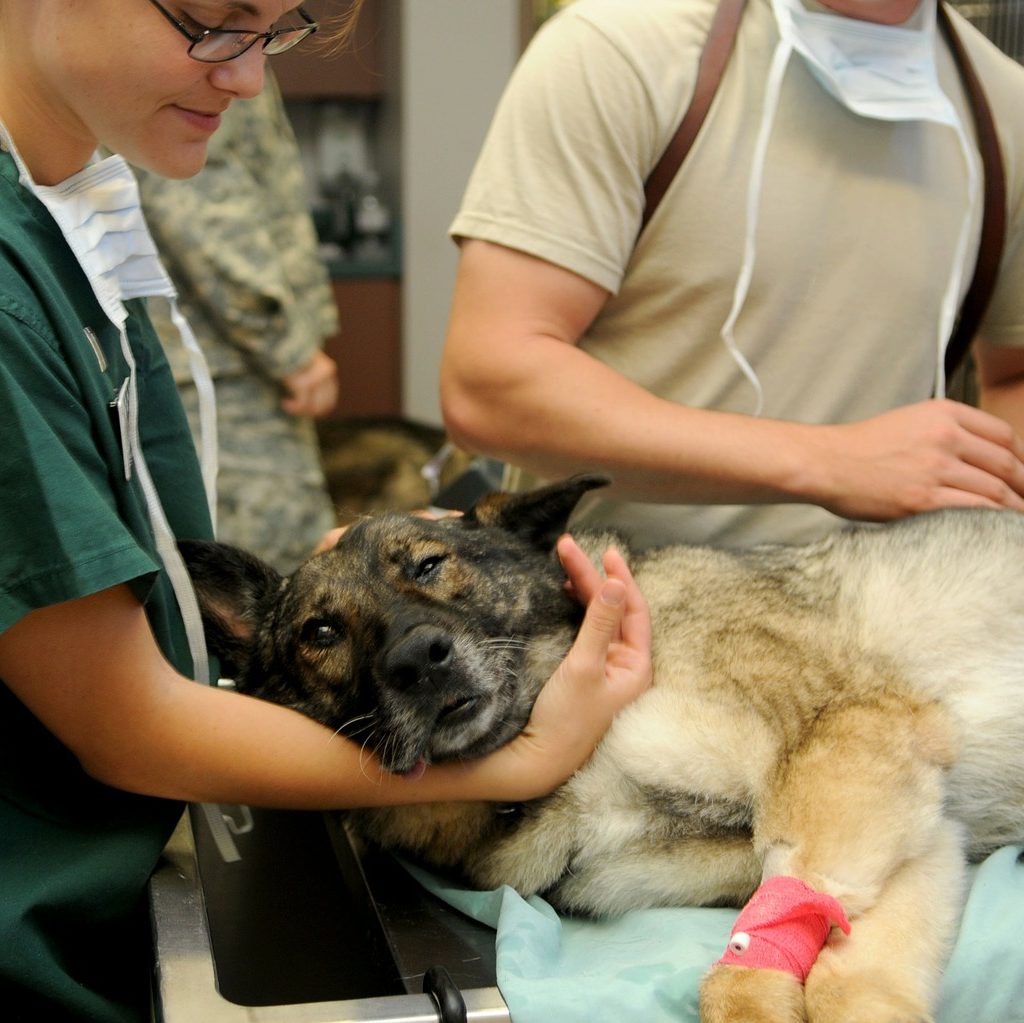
[239, 243]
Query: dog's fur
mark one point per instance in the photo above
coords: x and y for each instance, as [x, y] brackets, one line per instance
[375, 463]
[849, 712]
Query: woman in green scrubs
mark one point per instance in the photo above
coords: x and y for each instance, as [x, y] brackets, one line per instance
[103, 734]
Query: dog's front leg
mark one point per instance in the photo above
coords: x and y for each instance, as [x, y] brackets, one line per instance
[851, 825]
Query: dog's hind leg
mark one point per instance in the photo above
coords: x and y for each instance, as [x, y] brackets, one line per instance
[855, 812]
[862, 793]
[889, 967]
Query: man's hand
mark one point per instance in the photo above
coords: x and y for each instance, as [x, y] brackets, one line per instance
[933, 454]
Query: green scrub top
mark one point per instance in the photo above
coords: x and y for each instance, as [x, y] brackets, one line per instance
[75, 855]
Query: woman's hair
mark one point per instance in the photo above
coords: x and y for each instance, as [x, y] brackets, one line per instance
[336, 30]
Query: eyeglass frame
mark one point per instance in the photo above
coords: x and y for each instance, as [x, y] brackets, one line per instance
[267, 37]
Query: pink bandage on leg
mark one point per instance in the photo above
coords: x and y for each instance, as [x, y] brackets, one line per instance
[784, 926]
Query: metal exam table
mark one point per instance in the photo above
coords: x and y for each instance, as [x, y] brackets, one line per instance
[306, 927]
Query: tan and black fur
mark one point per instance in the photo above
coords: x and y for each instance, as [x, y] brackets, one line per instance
[849, 712]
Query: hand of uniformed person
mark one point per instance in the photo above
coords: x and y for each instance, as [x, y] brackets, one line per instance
[313, 390]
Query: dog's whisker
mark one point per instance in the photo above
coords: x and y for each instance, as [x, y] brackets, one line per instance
[383, 754]
[359, 717]
[346, 727]
[341, 729]
[365, 752]
[504, 643]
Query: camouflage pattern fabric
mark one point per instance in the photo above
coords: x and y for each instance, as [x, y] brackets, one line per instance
[240, 246]
[270, 489]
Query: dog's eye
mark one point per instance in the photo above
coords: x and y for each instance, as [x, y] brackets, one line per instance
[427, 567]
[320, 632]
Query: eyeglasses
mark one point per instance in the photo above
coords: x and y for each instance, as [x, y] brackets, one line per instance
[216, 45]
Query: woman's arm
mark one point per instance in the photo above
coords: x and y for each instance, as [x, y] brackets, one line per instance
[91, 671]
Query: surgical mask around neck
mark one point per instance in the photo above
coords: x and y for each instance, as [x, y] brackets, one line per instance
[882, 72]
[887, 72]
[99, 213]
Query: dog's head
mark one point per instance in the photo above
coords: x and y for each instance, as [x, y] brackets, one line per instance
[424, 639]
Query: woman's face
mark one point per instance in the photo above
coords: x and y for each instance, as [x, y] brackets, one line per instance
[74, 73]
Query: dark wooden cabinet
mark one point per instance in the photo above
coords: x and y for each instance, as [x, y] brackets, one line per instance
[368, 349]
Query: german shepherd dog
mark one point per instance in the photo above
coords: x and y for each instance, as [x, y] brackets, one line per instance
[849, 713]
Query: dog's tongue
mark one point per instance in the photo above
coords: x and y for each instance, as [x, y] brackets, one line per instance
[416, 771]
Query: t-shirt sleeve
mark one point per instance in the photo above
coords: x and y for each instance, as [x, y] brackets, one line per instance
[561, 172]
[1004, 320]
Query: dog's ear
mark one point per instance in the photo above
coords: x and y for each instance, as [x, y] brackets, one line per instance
[539, 516]
[233, 588]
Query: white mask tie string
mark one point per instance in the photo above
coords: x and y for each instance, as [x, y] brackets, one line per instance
[755, 186]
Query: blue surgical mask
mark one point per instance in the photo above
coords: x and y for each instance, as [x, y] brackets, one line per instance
[887, 72]
[99, 212]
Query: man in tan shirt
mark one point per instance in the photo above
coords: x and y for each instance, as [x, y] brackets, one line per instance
[574, 344]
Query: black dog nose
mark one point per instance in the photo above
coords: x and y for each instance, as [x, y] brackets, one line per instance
[422, 655]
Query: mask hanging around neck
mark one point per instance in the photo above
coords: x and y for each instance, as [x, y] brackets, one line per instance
[887, 72]
[881, 72]
[99, 213]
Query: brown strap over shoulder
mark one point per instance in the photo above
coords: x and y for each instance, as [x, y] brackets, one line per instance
[993, 224]
[717, 51]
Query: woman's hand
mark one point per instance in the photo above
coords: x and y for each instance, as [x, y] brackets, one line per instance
[107, 692]
[329, 540]
[608, 666]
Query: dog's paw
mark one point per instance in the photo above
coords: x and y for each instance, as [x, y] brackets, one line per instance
[860, 998]
[738, 994]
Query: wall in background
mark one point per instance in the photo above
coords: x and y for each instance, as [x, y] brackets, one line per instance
[456, 56]
[402, 112]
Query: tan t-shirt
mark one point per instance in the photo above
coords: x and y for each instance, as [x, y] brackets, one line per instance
[854, 246]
